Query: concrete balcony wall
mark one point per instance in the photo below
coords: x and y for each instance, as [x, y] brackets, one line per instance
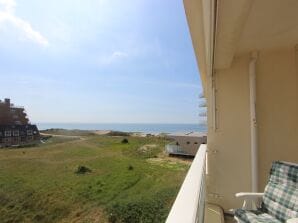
[229, 144]
[277, 123]
[277, 108]
[224, 35]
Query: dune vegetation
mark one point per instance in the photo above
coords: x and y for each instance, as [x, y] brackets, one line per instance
[89, 179]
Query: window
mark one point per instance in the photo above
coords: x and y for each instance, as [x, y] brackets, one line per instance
[29, 138]
[15, 133]
[7, 133]
[187, 143]
[195, 143]
[7, 140]
[0, 134]
[16, 139]
[29, 132]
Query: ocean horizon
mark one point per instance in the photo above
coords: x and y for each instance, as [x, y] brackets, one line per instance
[128, 127]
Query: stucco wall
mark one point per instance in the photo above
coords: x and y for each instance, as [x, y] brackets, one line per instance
[190, 144]
[277, 116]
[277, 109]
[228, 146]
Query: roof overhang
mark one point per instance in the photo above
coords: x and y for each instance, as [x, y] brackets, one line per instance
[200, 16]
[221, 30]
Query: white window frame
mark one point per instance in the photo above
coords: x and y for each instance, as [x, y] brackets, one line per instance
[29, 138]
[7, 133]
[15, 133]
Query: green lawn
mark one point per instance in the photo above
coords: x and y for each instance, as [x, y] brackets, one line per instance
[131, 182]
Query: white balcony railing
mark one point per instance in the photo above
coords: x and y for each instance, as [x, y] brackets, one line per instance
[175, 149]
[189, 206]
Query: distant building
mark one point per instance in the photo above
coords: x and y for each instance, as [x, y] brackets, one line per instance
[186, 143]
[15, 128]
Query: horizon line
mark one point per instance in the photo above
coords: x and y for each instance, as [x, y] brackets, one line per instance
[168, 123]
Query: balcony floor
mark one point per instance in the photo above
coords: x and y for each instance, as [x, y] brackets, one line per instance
[214, 214]
[230, 220]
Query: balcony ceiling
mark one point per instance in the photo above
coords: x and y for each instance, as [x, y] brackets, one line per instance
[247, 25]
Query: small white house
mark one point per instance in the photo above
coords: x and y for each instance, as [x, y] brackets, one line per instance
[185, 143]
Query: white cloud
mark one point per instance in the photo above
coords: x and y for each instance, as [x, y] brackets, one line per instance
[9, 5]
[7, 15]
[115, 56]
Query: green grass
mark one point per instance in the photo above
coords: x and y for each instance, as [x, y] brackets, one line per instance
[39, 184]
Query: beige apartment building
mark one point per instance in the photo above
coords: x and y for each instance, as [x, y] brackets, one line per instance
[247, 53]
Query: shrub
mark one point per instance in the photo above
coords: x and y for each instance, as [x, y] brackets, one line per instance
[149, 210]
[82, 170]
[153, 209]
[124, 141]
[118, 133]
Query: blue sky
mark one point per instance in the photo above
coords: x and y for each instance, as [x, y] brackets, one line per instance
[99, 61]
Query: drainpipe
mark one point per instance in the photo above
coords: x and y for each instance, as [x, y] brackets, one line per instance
[253, 121]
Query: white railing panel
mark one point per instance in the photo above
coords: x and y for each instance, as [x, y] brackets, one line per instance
[178, 150]
[189, 205]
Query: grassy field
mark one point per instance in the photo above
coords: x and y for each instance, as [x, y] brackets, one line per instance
[133, 182]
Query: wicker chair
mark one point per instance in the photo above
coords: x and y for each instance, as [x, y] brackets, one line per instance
[279, 202]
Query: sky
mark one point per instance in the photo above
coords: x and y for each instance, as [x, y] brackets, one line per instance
[99, 61]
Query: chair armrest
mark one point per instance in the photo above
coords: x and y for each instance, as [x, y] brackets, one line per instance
[292, 220]
[249, 195]
[251, 200]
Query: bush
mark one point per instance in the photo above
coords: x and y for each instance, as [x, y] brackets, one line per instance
[140, 211]
[152, 209]
[124, 141]
[82, 170]
[118, 133]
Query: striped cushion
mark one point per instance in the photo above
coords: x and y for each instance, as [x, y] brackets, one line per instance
[284, 173]
[254, 217]
[281, 193]
[280, 200]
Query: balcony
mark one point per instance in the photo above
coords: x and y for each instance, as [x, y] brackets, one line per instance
[176, 150]
[190, 205]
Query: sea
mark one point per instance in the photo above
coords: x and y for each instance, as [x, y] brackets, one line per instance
[128, 127]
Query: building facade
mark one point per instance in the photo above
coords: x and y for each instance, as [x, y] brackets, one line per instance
[185, 143]
[247, 53]
[15, 128]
